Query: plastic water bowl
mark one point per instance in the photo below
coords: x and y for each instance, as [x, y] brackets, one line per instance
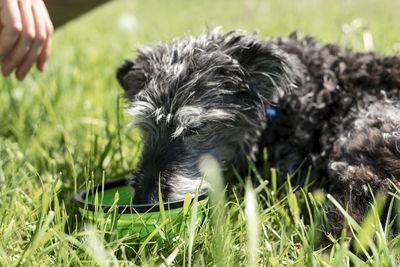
[110, 207]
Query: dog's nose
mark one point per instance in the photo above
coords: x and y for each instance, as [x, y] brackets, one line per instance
[145, 196]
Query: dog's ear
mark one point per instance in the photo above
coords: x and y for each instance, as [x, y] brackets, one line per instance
[271, 72]
[132, 77]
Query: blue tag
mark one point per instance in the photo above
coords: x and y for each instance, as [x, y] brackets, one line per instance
[270, 112]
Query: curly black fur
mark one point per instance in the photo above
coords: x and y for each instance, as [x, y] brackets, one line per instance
[346, 116]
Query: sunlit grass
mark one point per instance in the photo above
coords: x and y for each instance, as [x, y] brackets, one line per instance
[64, 129]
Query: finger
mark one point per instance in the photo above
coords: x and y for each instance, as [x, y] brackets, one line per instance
[37, 44]
[24, 42]
[49, 24]
[11, 26]
[41, 61]
[44, 54]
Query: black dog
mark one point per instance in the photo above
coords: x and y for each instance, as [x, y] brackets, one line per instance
[209, 95]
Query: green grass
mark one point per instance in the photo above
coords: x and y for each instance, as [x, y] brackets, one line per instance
[65, 128]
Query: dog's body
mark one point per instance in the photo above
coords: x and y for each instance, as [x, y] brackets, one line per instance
[208, 95]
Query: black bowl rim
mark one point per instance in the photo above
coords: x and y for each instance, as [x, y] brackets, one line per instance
[140, 208]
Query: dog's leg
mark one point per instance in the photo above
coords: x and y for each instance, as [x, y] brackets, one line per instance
[367, 157]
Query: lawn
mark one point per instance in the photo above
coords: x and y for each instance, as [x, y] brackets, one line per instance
[65, 129]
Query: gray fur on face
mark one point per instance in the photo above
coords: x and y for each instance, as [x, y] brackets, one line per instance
[196, 96]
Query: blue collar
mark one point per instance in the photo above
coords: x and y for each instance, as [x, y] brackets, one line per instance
[270, 113]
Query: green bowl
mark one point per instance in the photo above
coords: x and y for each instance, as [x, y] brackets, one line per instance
[110, 207]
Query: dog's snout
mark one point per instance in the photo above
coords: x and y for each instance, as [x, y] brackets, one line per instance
[145, 196]
[148, 182]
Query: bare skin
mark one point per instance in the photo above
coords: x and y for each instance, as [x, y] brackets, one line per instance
[25, 36]
[26, 29]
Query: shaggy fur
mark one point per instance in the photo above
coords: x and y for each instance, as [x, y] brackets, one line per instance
[208, 95]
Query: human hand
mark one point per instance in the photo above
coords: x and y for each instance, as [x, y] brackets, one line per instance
[25, 36]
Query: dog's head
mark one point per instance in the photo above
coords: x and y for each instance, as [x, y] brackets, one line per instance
[196, 96]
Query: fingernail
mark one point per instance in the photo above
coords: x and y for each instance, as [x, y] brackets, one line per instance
[20, 76]
[6, 71]
[44, 66]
